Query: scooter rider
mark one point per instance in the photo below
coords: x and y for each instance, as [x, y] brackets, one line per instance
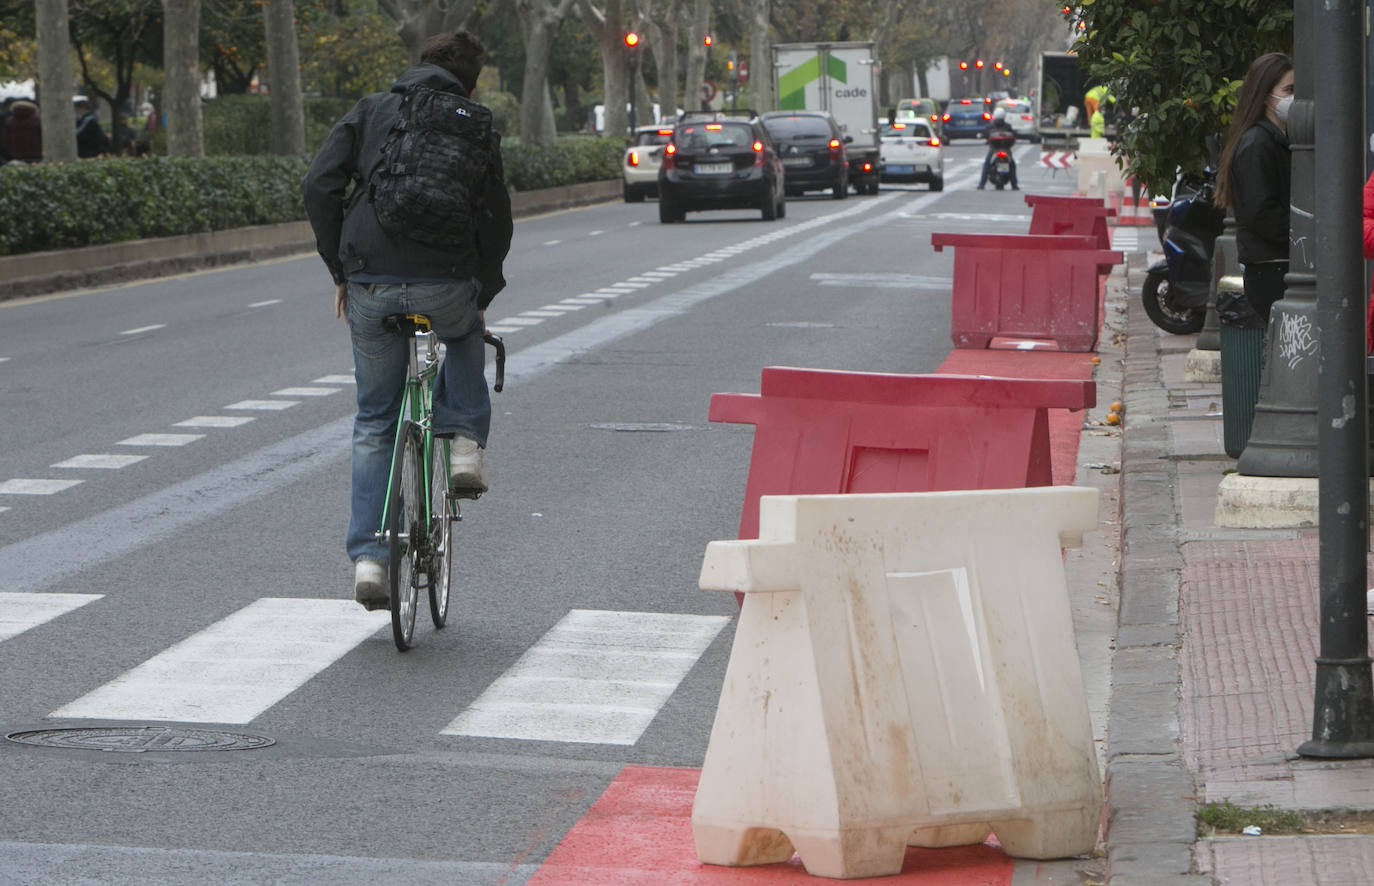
[1000, 135]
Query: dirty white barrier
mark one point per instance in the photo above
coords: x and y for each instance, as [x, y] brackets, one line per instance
[903, 672]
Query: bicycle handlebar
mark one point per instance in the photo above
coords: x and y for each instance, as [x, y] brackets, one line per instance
[496, 342]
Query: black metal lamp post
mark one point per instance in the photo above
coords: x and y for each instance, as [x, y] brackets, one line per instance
[1343, 715]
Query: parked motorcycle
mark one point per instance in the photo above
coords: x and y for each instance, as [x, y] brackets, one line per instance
[1000, 145]
[1176, 287]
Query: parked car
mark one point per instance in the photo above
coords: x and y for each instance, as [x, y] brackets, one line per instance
[1021, 117]
[919, 108]
[966, 118]
[912, 152]
[718, 160]
[642, 159]
[812, 150]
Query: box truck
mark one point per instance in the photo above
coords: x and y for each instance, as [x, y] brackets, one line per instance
[841, 78]
[1060, 114]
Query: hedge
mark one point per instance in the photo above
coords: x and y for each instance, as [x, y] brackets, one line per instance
[93, 202]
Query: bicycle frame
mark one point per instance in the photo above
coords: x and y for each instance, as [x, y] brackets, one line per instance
[416, 406]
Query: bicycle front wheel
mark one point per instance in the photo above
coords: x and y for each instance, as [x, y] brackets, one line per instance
[440, 534]
[405, 528]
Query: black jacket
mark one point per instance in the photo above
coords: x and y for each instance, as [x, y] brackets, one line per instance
[347, 234]
[1260, 183]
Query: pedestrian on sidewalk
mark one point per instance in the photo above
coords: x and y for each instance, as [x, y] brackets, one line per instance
[1254, 179]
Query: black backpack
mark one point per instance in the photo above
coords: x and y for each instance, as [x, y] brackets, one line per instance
[429, 182]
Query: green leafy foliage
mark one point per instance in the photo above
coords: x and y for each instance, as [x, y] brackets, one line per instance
[571, 160]
[242, 124]
[1179, 63]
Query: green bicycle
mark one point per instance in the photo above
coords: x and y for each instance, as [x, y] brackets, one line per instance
[420, 509]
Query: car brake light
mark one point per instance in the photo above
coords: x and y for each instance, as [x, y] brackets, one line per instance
[868, 167]
[1028, 118]
[665, 132]
[758, 146]
[634, 158]
[835, 143]
[987, 116]
[668, 151]
[964, 101]
[934, 142]
[1001, 155]
[714, 127]
[945, 118]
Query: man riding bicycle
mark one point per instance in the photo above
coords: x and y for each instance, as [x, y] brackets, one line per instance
[379, 273]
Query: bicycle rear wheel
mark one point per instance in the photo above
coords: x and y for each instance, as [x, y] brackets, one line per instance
[405, 528]
[440, 534]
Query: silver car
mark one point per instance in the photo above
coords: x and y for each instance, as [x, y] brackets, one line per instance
[1021, 118]
[642, 159]
[912, 152]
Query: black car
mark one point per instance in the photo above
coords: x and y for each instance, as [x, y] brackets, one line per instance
[720, 161]
[812, 149]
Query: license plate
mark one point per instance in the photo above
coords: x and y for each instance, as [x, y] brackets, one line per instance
[1004, 167]
[901, 170]
[713, 168]
[796, 161]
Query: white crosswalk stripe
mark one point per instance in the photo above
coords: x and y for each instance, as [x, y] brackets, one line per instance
[597, 677]
[23, 486]
[263, 405]
[235, 669]
[305, 392]
[161, 439]
[20, 612]
[214, 421]
[107, 462]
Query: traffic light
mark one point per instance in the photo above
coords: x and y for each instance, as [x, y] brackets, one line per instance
[631, 49]
[731, 65]
[706, 41]
[963, 66]
[978, 64]
[997, 65]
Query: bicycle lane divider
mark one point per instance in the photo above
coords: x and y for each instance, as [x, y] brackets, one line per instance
[42, 561]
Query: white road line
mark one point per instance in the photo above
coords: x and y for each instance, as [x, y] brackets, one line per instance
[584, 300]
[110, 462]
[658, 274]
[266, 405]
[235, 669]
[606, 293]
[263, 304]
[305, 392]
[214, 421]
[334, 380]
[595, 233]
[5, 359]
[144, 329]
[541, 313]
[885, 281]
[161, 439]
[552, 242]
[35, 487]
[520, 321]
[504, 330]
[629, 284]
[562, 308]
[596, 677]
[2, 510]
[20, 612]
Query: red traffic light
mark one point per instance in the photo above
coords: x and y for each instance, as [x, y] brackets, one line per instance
[978, 64]
[632, 39]
[1067, 10]
[963, 66]
[706, 41]
[997, 65]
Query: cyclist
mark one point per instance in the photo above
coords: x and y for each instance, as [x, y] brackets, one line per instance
[377, 273]
[1000, 137]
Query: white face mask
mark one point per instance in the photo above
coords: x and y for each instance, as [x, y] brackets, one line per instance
[1281, 106]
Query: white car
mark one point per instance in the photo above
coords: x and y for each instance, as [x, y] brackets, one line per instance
[642, 159]
[912, 152]
[1021, 118]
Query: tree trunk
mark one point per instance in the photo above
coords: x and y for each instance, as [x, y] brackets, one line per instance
[55, 81]
[760, 60]
[417, 20]
[663, 33]
[284, 73]
[180, 64]
[539, 21]
[609, 29]
[692, 96]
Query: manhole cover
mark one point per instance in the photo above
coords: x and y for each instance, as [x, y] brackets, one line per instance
[140, 739]
[643, 426]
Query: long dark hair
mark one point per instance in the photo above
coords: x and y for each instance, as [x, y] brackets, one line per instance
[1251, 102]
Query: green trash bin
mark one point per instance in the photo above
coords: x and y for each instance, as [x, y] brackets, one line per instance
[1242, 354]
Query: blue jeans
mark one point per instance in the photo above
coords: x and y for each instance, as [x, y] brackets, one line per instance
[381, 359]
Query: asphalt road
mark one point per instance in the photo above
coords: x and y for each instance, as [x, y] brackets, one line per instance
[134, 566]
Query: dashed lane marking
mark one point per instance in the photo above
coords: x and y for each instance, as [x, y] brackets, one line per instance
[105, 462]
[144, 329]
[161, 439]
[562, 308]
[596, 677]
[264, 405]
[21, 486]
[334, 380]
[263, 304]
[215, 421]
[235, 669]
[305, 392]
[21, 612]
[521, 321]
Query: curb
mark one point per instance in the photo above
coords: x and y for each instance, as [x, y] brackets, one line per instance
[37, 273]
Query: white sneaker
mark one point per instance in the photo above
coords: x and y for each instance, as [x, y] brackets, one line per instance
[465, 472]
[369, 585]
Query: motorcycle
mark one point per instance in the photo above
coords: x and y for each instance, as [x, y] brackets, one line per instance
[1177, 286]
[1000, 144]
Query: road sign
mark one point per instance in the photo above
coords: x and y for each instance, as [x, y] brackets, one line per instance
[743, 71]
[708, 90]
[1058, 159]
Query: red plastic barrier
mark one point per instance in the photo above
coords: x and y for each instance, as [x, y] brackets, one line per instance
[1025, 285]
[1080, 216]
[821, 431]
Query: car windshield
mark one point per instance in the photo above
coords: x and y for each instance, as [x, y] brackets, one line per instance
[654, 137]
[712, 135]
[1017, 107]
[797, 127]
[908, 129]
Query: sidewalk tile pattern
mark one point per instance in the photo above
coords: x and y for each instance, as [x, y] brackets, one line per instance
[1283, 861]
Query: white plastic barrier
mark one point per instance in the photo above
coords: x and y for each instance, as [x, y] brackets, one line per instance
[903, 672]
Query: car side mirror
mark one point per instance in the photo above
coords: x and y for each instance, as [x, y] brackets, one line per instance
[849, 139]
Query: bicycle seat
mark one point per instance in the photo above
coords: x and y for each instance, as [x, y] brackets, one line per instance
[406, 324]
